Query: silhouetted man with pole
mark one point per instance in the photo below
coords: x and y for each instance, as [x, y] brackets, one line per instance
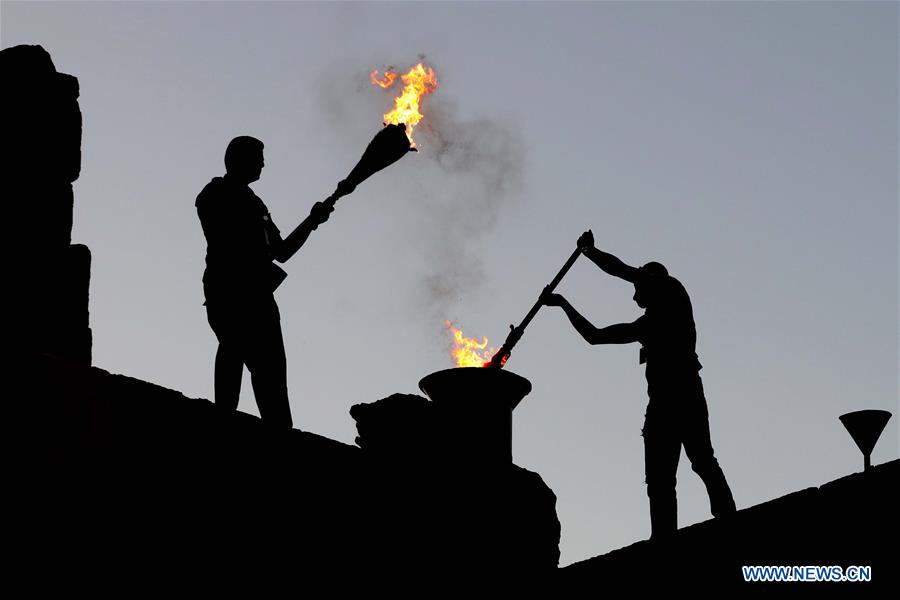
[240, 278]
[677, 412]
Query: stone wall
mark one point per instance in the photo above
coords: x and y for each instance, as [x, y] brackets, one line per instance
[47, 277]
[852, 521]
[116, 477]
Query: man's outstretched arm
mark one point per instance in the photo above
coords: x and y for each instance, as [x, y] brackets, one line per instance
[284, 248]
[604, 260]
[621, 333]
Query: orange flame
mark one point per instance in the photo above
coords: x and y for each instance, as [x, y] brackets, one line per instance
[469, 352]
[385, 82]
[417, 82]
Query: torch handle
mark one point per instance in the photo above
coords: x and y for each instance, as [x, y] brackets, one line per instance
[332, 199]
[552, 286]
[515, 333]
[344, 188]
[388, 146]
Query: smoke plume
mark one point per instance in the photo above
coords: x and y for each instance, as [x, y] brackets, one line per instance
[469, 170]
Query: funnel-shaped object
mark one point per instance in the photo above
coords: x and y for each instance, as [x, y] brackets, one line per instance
[387, 147]
[474, 406]
[865, 427]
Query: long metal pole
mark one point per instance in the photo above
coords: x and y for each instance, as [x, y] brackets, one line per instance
[515, 333]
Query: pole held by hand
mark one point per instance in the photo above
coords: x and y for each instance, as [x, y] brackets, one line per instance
[387, 147]
[515, 333]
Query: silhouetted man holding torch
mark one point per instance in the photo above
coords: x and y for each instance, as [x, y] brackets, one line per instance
[677, 412]
[240, 278]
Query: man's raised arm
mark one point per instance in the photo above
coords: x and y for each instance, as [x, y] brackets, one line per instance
[604, 260]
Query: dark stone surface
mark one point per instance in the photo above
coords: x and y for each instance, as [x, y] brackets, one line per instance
[114, 474]
[43, 121]
[485, 516]
[41, 159]
[850, 521]
[61, 305]
[399, 426]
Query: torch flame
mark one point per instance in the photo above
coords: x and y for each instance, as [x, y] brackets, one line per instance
[469, 352]
[386, 81]
[417, 82]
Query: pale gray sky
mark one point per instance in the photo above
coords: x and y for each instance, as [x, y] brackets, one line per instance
[751, 147]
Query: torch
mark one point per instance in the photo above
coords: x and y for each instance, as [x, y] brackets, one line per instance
[395, 140]
[515, 333]
[387, 147]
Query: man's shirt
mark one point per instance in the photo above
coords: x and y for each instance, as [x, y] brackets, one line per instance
[238, 257]
[666, 330]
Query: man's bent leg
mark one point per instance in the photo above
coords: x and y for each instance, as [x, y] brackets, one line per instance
[699, 450]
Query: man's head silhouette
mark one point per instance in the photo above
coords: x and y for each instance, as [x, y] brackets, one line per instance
[244, 159]
[646, 285]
